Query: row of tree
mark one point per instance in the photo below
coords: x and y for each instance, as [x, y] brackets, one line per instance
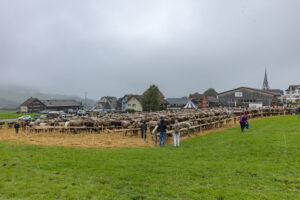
[151, 100]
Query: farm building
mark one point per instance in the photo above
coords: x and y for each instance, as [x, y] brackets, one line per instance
[245, 96]
[36, 105]
[177, 103]
[32, 105]
[62, 105]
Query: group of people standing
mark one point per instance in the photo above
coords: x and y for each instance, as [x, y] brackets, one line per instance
[161, 127]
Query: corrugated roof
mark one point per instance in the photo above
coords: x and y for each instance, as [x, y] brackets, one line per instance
[178, 101]
[60, 103]
[257, 90]
[29, 101]
[292, 87]
[276, 91]
[212, 99]
[138, 97]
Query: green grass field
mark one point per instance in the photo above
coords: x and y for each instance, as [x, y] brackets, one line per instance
[263, 163]
[6, 114]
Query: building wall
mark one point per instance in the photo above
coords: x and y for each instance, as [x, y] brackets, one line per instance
[133, 103]
[35, 107]
[24, 109]
[124, 101]
[245, 96]
[293, 95]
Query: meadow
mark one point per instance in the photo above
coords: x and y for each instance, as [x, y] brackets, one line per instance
[262, 163]
[7, 114]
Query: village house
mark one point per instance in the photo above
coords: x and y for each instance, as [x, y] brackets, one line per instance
[134, 102]
[32, 105]
[293, 94]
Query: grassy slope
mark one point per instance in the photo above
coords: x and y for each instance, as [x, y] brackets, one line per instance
[258, 164]
[6, 114]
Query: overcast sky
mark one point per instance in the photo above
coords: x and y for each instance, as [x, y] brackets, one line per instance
[117, 47]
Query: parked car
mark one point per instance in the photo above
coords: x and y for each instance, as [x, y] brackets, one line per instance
[53, 114]
[62, 114]
[81, 112]
[25, 117]
[43, 116]
[45, 111]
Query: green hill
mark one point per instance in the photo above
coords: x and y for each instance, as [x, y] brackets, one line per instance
[262, 163]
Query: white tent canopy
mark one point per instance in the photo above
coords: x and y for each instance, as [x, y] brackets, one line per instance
[190, 105]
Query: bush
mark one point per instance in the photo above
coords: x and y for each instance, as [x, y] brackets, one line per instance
[130, 110]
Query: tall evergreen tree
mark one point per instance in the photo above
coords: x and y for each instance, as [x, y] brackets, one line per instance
[151, 99]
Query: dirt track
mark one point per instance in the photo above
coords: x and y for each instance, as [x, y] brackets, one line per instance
[102, 140]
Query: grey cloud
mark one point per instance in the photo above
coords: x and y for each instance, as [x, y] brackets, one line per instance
[118, 47]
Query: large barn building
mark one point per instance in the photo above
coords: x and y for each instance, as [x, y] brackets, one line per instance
[245, 96]
[34, 105]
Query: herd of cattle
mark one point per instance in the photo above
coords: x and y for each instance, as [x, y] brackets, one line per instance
[189, 120]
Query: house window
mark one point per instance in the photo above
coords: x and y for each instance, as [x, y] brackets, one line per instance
[133, 105]
[129, 105]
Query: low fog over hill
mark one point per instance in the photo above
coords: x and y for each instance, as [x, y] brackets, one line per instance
[15, 95]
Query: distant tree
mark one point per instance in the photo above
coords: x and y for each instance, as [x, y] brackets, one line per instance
[151, 99]
[239, 103]
[119, 104]
[211, 92]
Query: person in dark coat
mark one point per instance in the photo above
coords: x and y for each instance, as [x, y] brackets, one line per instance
[17, 126]
[162, 128]
[144, 130]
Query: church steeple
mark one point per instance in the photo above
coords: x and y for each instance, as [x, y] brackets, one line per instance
[266, 83]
